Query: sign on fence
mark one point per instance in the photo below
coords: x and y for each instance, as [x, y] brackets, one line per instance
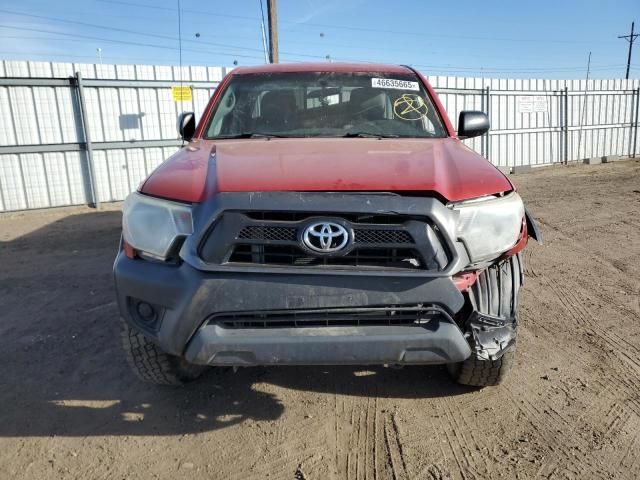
[531, 103]
[181, 94]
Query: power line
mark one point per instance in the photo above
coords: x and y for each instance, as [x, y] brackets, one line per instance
[123, 42]
[121, 30]
[443, 68]
[264, 35]
[515, 70]
[449, 68]
[66, 55]
[130, 58]
[360, 29]
[149, 34]
[236, 47]
[167, 37]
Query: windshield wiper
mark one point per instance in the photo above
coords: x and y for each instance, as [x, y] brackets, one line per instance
[251, 135]
[367, 135]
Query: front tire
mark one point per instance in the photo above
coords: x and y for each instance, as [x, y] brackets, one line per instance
[152, 364]
[495, 293]
[478, 372]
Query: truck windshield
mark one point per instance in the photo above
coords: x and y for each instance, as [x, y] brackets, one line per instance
[325, 104]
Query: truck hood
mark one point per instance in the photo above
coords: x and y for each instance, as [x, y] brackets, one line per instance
[442, 167]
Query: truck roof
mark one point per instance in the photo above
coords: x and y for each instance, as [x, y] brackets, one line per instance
[321, 67]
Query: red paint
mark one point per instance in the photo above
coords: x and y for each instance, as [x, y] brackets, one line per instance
[443, 167]
[463, 281]
[184, 176]
[129, 251]
[321, 67]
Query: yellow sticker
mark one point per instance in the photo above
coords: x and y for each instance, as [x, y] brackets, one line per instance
[181, 94]
[410, 106]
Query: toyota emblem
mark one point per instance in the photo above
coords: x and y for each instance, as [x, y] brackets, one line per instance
[325, 237]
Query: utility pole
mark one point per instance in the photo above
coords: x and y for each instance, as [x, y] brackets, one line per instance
[629, 38]
[273, 30]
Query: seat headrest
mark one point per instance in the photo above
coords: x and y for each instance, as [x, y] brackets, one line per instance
[277, 101]
[367, 103]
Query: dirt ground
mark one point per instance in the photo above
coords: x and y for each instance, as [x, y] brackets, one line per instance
[70, 407]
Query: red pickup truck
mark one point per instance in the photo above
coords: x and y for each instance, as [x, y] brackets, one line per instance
[323, 214]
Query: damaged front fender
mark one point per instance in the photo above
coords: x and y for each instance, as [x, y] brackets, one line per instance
[492, 336]
[532, 227]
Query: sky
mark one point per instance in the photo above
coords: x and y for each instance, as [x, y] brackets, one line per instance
[498, 39]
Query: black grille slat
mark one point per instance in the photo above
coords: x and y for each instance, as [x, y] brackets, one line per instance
[259, 232]
[379, 316]
[289, 234]
[375, 237]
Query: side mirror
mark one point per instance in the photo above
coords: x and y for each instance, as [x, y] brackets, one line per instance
[472, 124]
[186, 125]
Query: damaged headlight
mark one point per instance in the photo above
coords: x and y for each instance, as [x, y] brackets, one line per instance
[152, 225]
[489, 226]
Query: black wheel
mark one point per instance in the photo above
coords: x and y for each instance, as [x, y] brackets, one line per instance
[495, 293]
[152, 364]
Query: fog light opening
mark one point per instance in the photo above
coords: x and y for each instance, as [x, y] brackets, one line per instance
[146, 312]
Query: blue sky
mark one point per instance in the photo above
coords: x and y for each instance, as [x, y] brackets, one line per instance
[542, 39]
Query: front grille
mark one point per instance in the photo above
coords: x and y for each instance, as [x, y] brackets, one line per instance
[289, 255]
[331, 317]
[273, 239]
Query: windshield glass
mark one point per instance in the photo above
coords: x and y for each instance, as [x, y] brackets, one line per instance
[325, 104]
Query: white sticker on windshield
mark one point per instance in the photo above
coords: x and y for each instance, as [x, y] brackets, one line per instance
[393, 83]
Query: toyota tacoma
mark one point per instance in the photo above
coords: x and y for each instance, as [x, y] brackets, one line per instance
[323, 214]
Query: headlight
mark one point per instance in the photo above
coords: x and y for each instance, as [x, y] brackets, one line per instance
[153, 226]
[489, 227]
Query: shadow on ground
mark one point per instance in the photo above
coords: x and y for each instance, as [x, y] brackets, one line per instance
[64, 372]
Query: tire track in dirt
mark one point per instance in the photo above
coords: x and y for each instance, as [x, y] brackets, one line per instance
[394, 449]
[566, 290]
[630, 459]
[582, 317]
[553, 438]
[572, 298]
[361, 449]
[613, 338]
[458, 446]
[574, 307]
[467, 436]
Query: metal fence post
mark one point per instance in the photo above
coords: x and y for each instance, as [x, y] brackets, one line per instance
[566, 125]
[635, 129]
[631, 121]
[90, 171]
[487, 149]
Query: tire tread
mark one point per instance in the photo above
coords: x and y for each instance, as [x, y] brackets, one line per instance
[151, 364]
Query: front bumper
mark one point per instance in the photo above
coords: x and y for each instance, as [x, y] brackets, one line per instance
[185, 298]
